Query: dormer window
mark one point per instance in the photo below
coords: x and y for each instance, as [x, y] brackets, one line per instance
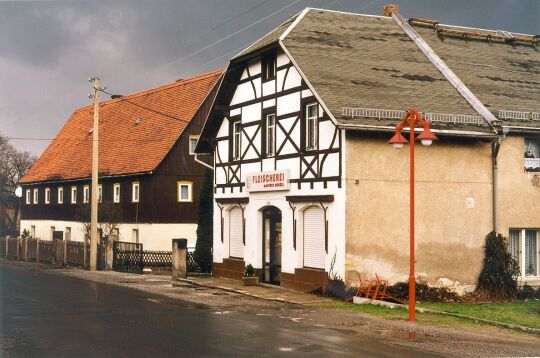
[35, 196]
[60, 198]
[116, 193]
[73, 195]
[269, 66]
[86, 194]
[47, 195]
[27, 196]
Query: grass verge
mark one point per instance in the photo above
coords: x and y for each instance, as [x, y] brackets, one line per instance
[402, 314]
[522, 313]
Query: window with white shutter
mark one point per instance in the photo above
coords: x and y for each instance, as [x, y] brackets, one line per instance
[314, 245]
[236, 241]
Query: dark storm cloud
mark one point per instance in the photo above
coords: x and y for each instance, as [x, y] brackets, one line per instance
[49, 49]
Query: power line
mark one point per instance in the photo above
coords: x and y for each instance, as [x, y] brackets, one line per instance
[223, 39]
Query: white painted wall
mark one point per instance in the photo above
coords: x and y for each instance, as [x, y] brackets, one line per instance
[152, 236]
[289, 103]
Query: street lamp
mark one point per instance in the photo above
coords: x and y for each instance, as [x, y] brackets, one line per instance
[412, 118]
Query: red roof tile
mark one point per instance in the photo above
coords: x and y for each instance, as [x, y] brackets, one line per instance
[124, 146]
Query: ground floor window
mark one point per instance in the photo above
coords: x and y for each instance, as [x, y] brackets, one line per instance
[524, 248]
[236, 233]
[314, 240]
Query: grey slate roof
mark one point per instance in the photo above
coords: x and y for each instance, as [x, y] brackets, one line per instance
[364, 61]
[503, 77]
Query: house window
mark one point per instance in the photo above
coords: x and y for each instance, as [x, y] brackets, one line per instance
[60, 193]
[27, 196]
[236, 140]
[73, 195]
[311, 126]
[47, 195]
[116, 193]
[269, 67]
[524, 244]
[193, 143]
[100, 193]
[36, 196]
[270, 135]
[135, 192]
[185, 191]
[532, 155]
[86, 194]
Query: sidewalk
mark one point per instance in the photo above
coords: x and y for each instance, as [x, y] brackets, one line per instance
[262, 291]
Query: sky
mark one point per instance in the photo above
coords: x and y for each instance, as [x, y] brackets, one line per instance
[49, 49]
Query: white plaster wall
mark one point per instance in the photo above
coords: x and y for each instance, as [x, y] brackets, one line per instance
[152, 236]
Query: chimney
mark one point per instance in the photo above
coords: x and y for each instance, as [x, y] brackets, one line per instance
[389, 9]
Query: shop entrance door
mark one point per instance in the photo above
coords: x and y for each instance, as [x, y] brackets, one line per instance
[271, 245]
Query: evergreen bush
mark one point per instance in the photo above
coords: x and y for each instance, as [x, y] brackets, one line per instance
[203, 247]
[498, 278]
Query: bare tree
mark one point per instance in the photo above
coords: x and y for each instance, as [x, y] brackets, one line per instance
[14, 164]
[109, 217]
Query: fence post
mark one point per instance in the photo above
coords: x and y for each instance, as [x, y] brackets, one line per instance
[179, 258]
[65, 252]
[25, 249]
[7, 246]
[37, 249]
[18, 248]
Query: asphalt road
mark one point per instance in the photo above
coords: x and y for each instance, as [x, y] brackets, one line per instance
[50, 315]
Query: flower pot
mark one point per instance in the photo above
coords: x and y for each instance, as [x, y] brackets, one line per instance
[250, 281]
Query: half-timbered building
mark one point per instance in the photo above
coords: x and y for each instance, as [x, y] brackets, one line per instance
[149, 182]
[306, 186]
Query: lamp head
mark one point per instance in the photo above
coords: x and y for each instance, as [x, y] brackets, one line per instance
[427, 137]
[398, 140]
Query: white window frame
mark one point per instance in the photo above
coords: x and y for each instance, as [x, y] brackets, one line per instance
[36, 196]
[135, 198]
[236, 140]
[73, 195]
[100, 193]
[86, 194]
[116, 194]
[179, 185]
[522, 261]
[60, 195]
[192, 143]
[28, 196]
[270, 149]
[312, 124]
[47, 195]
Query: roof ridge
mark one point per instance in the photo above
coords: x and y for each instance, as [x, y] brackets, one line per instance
[156, 89]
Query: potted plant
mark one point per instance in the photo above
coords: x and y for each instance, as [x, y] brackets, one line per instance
[249, 277]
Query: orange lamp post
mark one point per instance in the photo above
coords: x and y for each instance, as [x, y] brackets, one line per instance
[413, 119]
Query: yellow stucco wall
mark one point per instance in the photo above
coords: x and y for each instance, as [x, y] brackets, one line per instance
[450, 229]
[519, 200]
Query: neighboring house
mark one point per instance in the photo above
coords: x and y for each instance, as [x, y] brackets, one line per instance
[306, 185]
[147, 175]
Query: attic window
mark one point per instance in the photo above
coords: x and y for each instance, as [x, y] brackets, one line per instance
[193, 143]
[137, 121]
[269, 66]
[90, 131]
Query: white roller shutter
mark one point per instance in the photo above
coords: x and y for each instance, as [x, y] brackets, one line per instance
[236, 244]
[314, 252]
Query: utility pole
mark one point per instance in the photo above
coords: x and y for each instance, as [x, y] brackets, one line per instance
[95, 168]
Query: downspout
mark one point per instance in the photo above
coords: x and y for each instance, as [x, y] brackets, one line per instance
[494, 153]
[203, 163]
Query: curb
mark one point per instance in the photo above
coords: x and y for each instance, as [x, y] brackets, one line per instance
[241, 292]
